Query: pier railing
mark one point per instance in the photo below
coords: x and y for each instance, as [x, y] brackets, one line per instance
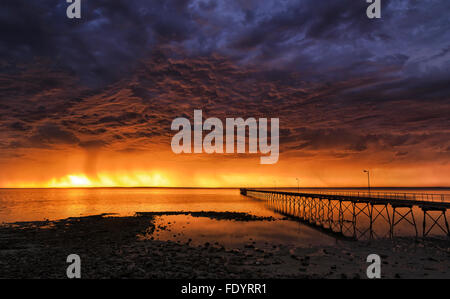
[346, 212]
[431, 197]
[423, 197]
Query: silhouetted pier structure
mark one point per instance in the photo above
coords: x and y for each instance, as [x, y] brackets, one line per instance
[339, 212]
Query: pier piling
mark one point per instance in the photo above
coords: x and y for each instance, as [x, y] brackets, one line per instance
[320, 209]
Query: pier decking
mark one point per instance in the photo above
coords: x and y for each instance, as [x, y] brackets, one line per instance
[330, 210]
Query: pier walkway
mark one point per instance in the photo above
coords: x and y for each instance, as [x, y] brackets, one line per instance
[341, 211]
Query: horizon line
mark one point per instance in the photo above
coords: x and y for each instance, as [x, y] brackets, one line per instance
[187, 187]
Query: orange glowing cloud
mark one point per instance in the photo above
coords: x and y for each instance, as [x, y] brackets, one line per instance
[66, 135]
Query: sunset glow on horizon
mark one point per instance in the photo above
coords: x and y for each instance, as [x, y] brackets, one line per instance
[234, 172]
[101, 115]
[181, 141]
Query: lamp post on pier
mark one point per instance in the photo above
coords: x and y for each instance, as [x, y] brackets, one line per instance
[368, 179]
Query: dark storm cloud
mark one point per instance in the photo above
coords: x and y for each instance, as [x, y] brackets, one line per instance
[106, 42]
[330, 20]
[318, 38]
[52, 134]
[117, 77]
[136, 112]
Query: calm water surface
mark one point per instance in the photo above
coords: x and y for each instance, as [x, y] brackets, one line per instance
[40, 204]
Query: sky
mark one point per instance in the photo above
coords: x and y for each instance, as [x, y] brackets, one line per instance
[90, 101]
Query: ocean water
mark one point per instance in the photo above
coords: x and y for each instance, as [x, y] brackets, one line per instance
[41, 204]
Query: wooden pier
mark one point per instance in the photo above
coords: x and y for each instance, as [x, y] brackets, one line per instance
[340, 212]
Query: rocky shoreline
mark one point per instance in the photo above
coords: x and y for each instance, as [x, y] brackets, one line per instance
[114, 247]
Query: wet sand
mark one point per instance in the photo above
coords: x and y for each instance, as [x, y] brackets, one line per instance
[124, 247]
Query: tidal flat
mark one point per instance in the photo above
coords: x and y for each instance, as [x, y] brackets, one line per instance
[112, 246]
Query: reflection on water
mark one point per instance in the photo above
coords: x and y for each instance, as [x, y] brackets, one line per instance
[234, 234]
[358, 220]
[40, 204]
